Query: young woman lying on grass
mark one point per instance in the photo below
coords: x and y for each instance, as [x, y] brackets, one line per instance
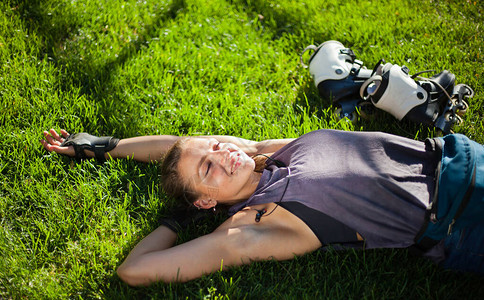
[345, 189]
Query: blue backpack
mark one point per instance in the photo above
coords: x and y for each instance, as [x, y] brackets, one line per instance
[459, 196]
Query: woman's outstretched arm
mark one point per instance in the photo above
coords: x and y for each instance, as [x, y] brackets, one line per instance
[240, 240]
[142, 148]
[152, 148]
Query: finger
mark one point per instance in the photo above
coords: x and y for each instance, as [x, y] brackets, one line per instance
[56, 135]
[64, 133]
[47, 145]
[50, 139]
[69, 150]
[43, 142]
[47, 136]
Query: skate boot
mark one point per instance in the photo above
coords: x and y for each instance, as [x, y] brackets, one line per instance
[338, 75]
[350, 86]
[432, 101]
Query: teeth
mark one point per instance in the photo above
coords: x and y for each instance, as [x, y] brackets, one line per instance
[232, 170]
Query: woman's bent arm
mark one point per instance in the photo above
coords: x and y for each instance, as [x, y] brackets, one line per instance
[177, 264]
[239, 240]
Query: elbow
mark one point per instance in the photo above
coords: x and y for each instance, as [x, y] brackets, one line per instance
[135, 273]
[131, 275]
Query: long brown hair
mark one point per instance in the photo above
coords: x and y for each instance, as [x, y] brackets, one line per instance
[171, 181]
[260, 161]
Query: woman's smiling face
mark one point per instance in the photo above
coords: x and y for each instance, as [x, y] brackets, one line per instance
[220, 172]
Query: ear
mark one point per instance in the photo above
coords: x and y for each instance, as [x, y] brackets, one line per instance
[205, 203]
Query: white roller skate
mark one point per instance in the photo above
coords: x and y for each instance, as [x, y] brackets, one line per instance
[433, 101]
[343, 80]
[338, 75]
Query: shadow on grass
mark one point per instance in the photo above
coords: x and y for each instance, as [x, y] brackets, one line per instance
[382, 273]
[284, 19]
[37, 20]
[93, 78]
[295, 20]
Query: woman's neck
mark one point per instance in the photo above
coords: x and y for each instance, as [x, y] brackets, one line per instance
[248, 190]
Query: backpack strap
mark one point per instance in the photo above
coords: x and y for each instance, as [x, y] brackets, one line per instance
[424, 243]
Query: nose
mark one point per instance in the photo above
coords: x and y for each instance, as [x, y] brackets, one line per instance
[222, 154]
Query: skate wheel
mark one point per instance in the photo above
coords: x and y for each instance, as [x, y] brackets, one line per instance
[352, 117]
[366, 110]
[449, 117]
[469, 93]
[452, 118]
[463, 108]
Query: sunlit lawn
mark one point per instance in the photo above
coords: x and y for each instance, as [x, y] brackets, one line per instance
[129, 68]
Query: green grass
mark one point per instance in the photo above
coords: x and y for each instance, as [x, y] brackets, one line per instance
[130, 68]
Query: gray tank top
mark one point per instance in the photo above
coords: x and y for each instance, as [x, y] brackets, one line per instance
[376, 183]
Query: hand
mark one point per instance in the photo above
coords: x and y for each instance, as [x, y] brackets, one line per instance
[53, 141]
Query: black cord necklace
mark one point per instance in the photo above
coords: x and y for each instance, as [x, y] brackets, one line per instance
[261, 212]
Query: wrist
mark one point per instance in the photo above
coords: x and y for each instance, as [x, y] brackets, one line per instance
[86, 145]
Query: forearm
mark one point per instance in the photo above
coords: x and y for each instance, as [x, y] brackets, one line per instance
[160, 239]
[144, 148]
[252, 147]
[271, 146]
[150, 262]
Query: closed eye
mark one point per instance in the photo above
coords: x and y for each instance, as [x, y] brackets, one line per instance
[215, 147]
[209, 165]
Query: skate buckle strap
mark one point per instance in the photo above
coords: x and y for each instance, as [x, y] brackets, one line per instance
[310, 47]
[348, 52]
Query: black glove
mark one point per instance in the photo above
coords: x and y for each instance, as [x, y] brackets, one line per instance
[99, 145]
